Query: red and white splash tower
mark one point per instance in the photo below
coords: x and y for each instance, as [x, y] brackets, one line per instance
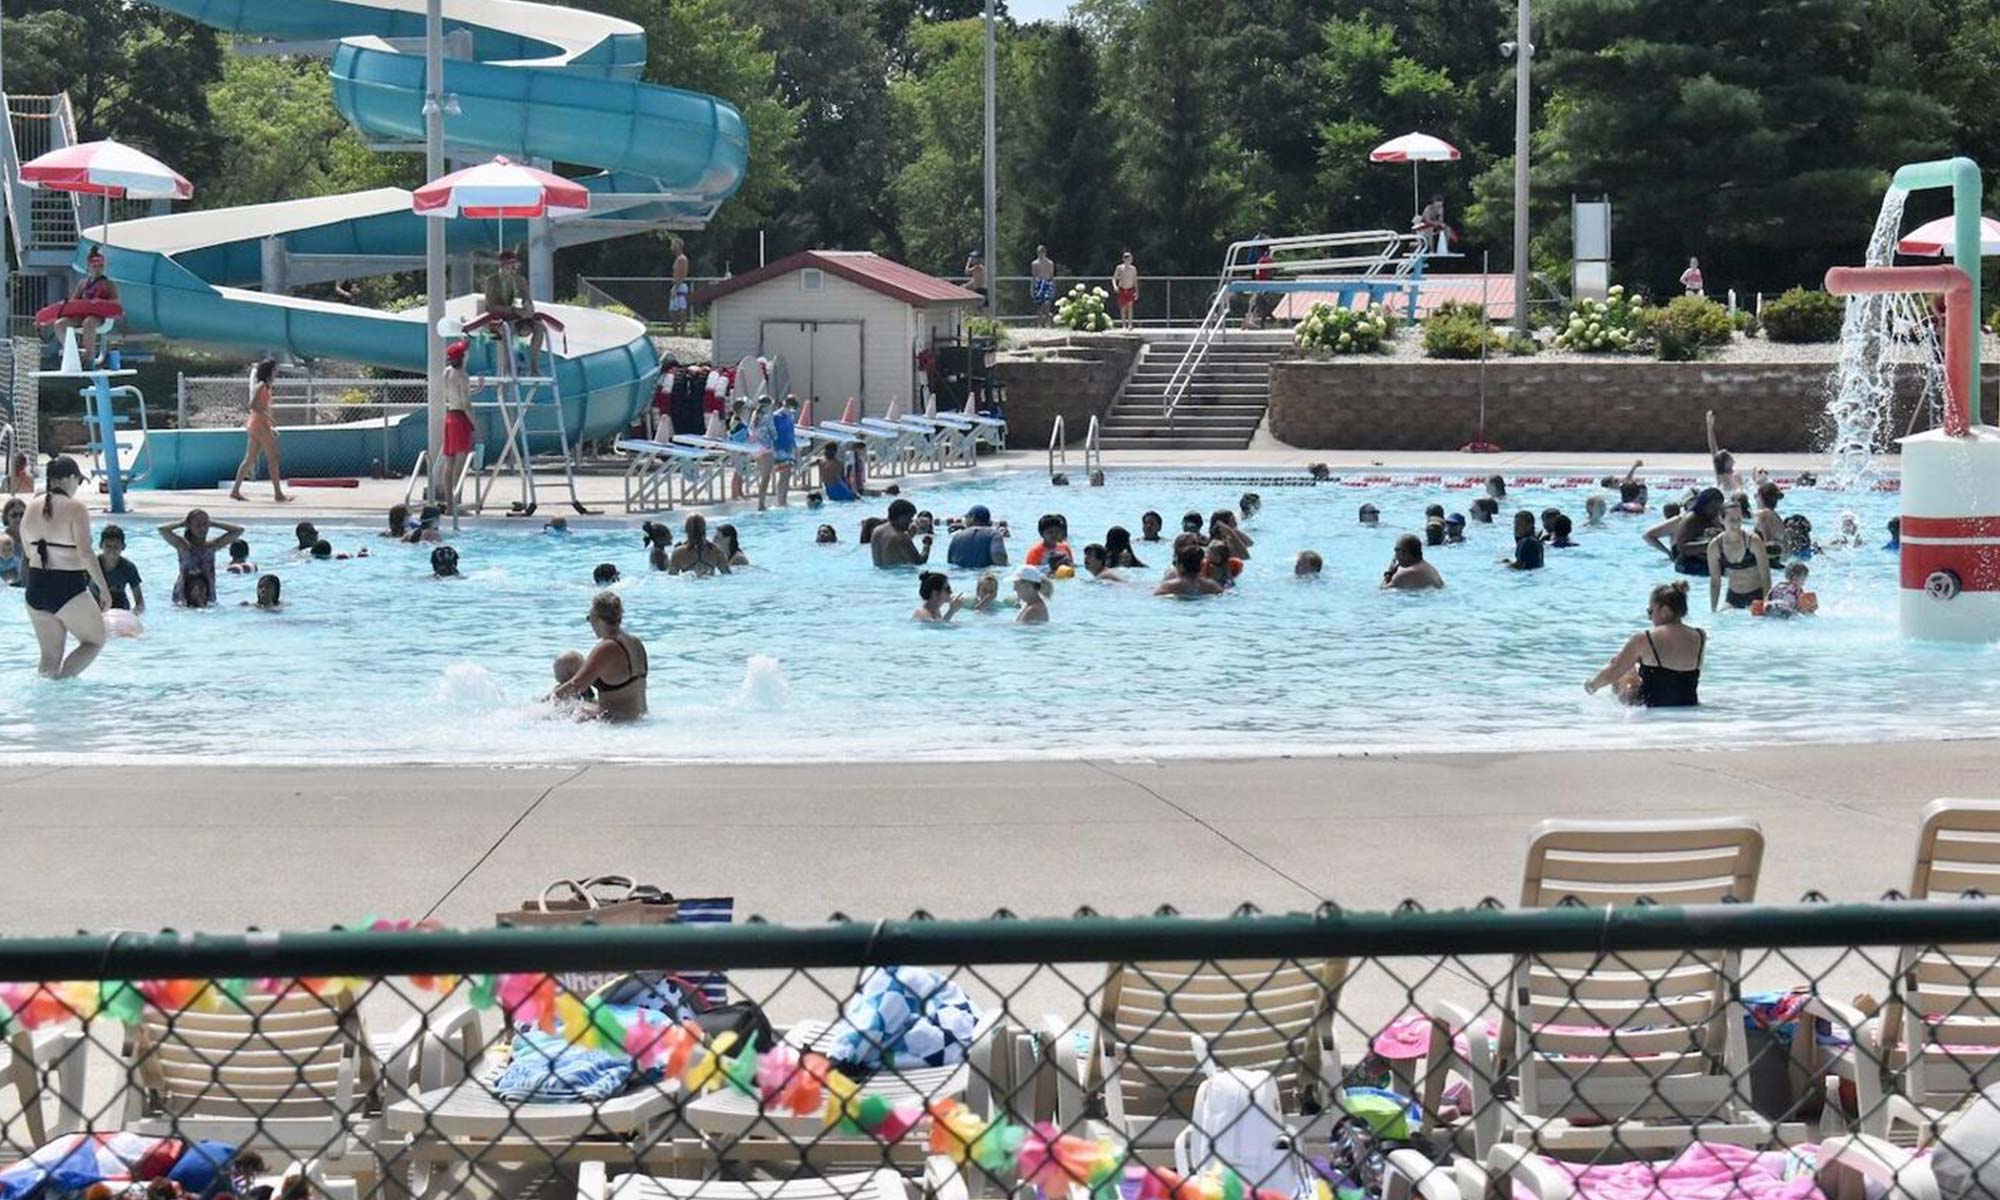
[1951, 475]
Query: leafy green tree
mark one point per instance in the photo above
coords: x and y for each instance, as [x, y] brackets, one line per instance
[281, 138]
[1372, 91]
[133, 73]
[1755, 134]
[832, 70]
[1059, 188]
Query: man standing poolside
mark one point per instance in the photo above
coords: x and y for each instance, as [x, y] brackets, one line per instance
[677, 300]
[979, 545]
[891, 545]
[1042, 284]
[1125, 286]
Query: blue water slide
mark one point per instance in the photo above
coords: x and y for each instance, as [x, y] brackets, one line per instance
[542, 82]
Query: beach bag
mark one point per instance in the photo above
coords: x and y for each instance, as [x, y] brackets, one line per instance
[1237, 1122]
[599, 900]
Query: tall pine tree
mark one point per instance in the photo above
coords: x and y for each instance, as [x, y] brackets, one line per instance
[1062, 181]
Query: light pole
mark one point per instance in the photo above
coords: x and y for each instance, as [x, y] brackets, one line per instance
[434, 245]
[1524, 50]
[992, 182]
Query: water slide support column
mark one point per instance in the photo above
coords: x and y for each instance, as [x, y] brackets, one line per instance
[1961, 175]
[434, 267]
[541, 252]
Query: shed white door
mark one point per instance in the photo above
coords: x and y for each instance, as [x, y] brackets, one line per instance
[824, 358]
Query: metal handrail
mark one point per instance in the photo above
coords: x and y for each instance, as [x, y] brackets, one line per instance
[1058, 446]
[1092, 453]
[1401, 251]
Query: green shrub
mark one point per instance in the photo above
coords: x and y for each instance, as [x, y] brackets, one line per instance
[989, 328]
[1458, 334]
[1613, 325]
[1803, 316]
[1458, 308]
[1330, 330]
[1083, 310]
[1744, 322]
[1520, 345]
[1686, 327]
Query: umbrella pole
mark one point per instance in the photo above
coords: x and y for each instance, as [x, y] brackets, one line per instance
[1416, 188]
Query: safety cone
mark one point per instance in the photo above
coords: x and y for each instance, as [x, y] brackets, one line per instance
[72, 362]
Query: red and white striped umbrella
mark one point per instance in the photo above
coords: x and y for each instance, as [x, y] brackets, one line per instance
[500, 189]
[1413, 148]
[1937, 238]
[108, 169]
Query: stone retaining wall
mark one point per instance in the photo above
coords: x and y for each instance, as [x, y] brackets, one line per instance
[1624, 406]
[1077, 378]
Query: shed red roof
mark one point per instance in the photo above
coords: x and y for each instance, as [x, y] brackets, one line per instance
[870, 270]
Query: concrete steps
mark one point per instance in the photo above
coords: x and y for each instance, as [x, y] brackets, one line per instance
[1220, 409]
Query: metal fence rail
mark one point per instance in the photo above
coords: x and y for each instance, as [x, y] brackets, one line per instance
[1256, 1057]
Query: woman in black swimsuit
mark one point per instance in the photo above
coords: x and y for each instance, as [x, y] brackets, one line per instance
[55, 549]
[616, 666]
[1684, 538]
[1660, 667]
[1737, 556]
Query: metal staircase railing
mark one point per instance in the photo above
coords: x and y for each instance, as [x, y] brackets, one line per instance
[1367, 254]
[1058, 446]
[1092, 453]
[39, 220]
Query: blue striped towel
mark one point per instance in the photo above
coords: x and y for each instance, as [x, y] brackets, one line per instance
[710, 910]
[547, 1069]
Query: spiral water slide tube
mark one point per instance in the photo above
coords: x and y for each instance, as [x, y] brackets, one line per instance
[541, 81]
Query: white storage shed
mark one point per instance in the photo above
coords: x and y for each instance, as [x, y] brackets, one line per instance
[846, 322]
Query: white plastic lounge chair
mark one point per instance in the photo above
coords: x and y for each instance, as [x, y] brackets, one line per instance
[465, 1123]
[1938, 1036]
[884, 448]
[1643, 1051]
[941, 1182]
[655, 468]
[1159, 1028]
[957, 444]
[27, 1059]
[295, 1074]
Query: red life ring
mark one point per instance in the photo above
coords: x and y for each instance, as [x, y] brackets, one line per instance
[77, 310]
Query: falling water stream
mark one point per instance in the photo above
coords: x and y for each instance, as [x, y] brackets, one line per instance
[1861, 393]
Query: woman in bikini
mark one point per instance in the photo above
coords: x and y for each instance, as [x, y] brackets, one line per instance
[262, 435]
[1737, 556]
[60, 568]
[1659, 667]
[194, 581]
[615, 666]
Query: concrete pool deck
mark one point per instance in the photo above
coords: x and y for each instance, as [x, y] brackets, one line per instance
[306, 847]
[372, 497]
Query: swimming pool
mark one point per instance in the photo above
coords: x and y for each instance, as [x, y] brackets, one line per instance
[810, 655]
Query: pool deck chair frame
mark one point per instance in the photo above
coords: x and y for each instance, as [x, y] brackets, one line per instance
[655, 467]
[1937, 1039]
[1641, 1052]
[1160, 1029]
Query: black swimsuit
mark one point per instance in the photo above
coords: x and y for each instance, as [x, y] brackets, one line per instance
[1665, 687]
[49, 589]
[1741, 599]
[631, 661]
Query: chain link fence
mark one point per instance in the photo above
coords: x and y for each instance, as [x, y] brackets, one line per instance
[1593, 1042]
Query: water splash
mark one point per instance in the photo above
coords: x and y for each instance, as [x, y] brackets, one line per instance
[468, 685]
[764, 684]
[1862, 390]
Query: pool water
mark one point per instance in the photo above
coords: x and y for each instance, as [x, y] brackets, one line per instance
[812, 655]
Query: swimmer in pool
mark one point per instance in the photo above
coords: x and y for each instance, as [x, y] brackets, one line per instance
[1184, 579]
[1737, 556]
[659, 543]
[444, 563]
[1725, 462]
[55, 544]
[1528, 549]
[937, 603]
[1150, 525]
[891, 544]
[1371, 516]
[1484, 509]
[1052, 551]
[827, 536]
[697, 555]
[1895, 534]
[399, 522]
[1454, 529]
[1190, 522]
[985, 594]
[1496, 488]
[605, 574]
[567, 664]
[270, 594]
[1594, 508]
[1118, 548]
[239, 559]
[1250, 505]
[1408, 572]
[1684, 538]
[615, 666]
[731, 545]
[1658, 667]
[307, 534]
[1028, 589]
[1309, 565]
[1097, 564]
[427, 526]
[1222, 527]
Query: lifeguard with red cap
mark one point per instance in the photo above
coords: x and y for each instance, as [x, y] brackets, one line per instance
[459, 431]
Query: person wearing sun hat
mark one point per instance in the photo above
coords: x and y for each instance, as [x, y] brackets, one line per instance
[459, 431]
[1031, 588]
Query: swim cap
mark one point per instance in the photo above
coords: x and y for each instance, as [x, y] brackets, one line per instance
[1032, 575]
[1455, 519]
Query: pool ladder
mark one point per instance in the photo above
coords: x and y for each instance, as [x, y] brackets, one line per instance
[1059, 448]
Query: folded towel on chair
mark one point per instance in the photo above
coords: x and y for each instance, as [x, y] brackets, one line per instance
[547, 1069]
